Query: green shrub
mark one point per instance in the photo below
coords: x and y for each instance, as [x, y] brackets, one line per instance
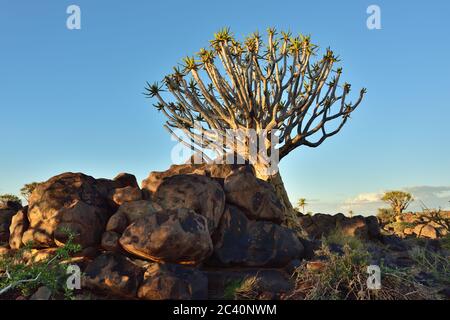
[19, 275]
[230, 290]
[246, 289]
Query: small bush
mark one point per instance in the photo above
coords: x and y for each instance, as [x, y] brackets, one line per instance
[385, 216]
[230, 290]
[337, 237]
[340, 277]
[248, 289]
[18, 275]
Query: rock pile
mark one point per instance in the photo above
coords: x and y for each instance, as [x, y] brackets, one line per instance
[169, 240]
[318, 225]
[431, 225]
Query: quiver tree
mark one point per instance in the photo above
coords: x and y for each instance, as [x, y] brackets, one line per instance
[398, 200]
[274, 88]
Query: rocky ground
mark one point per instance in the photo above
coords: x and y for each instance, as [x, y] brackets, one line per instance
[204, 232]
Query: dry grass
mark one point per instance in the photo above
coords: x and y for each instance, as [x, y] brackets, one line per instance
[248, 289]
[434, 263]
[344, 277]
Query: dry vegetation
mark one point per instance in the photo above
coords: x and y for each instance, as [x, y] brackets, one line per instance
[344, 275]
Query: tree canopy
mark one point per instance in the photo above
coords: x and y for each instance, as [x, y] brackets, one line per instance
[284, 85]
[398, 200]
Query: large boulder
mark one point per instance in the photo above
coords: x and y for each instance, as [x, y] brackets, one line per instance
[243, 242]
[129, 212]
[6, 214]
[127, 194]
[373, 228]
[19, 224]
[85, 221]
[110, 241]
[173, 236]
[425, 231]
[199, 193]
[114, 274]
[123, 180]
[173, 282]
[216, 171]
[318, 225]
[59, 201]
[355, 226]
[256, 197]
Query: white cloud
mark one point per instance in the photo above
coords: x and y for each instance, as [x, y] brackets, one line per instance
[365, 198]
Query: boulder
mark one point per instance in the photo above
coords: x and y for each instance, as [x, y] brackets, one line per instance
[117, 223]
[43, 293]
[216, 171]
[353, 227]
[123, 180]
[110, 241]
[126, 194]
[199, 193]
[114, 274]
[19, 224]
[425, 231]
[68, 194]
[256, 197]
[130, 212]
[39, 255]
[243, 242]
[173, 282]
[10, 205]
[318, 225]
[86, 221]
[373, 227]
[6, 215]
[4, 250]
[316, 265]
[172, 236]
[408, 231]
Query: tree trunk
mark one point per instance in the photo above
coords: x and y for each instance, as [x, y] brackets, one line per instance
[276, 181]
[280, 190]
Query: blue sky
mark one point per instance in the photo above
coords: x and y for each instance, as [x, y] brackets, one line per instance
[70, 100]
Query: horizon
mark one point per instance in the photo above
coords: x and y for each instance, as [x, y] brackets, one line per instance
[71, 100]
